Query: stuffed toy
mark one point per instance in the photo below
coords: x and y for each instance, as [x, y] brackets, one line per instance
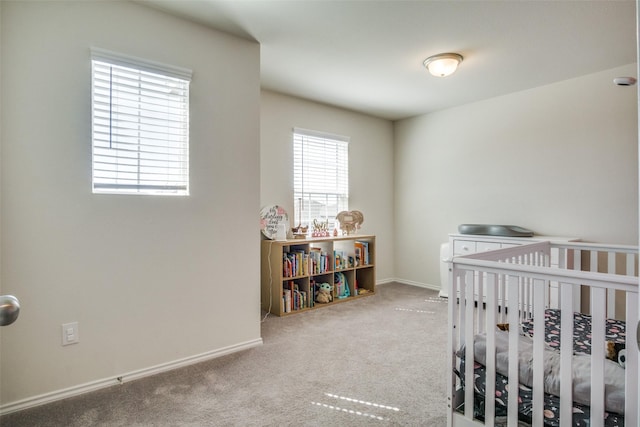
[323, 295]
[341, 285]
[617, 352]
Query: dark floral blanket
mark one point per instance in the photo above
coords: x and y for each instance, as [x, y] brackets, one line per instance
[615, 331]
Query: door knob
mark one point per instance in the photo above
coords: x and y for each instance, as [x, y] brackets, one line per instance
[9, 309]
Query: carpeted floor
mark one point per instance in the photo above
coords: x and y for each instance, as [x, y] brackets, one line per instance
[375, 361]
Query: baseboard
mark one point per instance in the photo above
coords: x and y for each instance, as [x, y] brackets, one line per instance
[418, 284]
[120, 379]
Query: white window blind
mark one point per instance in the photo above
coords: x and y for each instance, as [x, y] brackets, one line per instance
[140, 126]
[320, 176]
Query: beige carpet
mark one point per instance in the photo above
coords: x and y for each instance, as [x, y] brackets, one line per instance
[377, 361]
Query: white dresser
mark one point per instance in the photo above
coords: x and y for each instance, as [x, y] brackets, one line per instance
[466, 244]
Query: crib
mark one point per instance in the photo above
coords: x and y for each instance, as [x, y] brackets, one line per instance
[584, 297]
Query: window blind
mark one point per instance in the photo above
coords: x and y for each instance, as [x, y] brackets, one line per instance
[140, 126]
[321, 176]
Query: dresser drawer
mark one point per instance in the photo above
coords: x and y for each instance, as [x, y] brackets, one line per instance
[464, 247]
[487, 246]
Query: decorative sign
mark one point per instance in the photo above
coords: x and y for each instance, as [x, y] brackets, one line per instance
[320, 229]
[270, 218]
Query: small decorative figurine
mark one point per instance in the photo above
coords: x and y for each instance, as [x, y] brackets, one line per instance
[350, 221]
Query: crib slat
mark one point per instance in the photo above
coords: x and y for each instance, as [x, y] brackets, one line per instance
[631, 408]
[577, 265]
[566, 353]
[452, 342]
[480, 287]
[598, 296]
[462, 289]
[490, 366]
[512, 315]
[538, 351]
[593, 260]
[611, 293]
[502, 295]
[631, 264]
[468, 340]
[562, 257]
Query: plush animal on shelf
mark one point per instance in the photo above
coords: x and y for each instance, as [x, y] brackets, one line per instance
[323, 295]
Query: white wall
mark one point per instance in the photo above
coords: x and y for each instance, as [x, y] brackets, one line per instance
[559, 160]
[370, 163]
[151, 280]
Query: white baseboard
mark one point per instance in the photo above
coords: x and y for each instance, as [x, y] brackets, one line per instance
[418, 284]
[126, 377]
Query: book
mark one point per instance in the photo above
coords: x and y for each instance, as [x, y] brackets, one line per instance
[287, 267]
[364, 256]
[286, 298]
[312, 293]
[359, 253]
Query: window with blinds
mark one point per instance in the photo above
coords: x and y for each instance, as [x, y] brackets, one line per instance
[140, 126]
[320, 176]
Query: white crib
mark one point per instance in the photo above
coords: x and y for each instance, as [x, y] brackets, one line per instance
[517, 286]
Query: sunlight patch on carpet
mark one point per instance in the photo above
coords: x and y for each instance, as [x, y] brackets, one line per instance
[364, 402]
[350, 400]
[348, 411]
[412, 310]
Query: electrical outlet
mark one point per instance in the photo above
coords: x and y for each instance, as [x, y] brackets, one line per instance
[70, 334]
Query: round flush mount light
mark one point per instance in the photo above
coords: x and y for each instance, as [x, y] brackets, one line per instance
[443, 64]
[625, 81]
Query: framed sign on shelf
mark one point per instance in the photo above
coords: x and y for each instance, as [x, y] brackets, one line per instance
[271, 218]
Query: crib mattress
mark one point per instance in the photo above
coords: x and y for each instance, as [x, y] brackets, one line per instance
[615, 331]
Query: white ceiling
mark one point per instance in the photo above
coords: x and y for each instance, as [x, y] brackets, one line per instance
[367, 55]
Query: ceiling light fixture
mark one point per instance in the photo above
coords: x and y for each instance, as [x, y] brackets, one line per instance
[625, 81]
[443, 64]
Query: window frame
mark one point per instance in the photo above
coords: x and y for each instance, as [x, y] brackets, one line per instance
[139, 126]
[305, 193]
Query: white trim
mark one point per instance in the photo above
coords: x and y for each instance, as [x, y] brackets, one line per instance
[120, 379]
[320, 134]
[418, 284]
[148, 65]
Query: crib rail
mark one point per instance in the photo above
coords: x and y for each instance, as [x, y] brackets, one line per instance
[514, 284]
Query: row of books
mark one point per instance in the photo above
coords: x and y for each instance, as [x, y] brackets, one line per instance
[295, 264]
[320, 261]
[294, 298]
[299, 263]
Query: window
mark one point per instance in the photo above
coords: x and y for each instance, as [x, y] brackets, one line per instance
[320, 176]
[140, 126]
